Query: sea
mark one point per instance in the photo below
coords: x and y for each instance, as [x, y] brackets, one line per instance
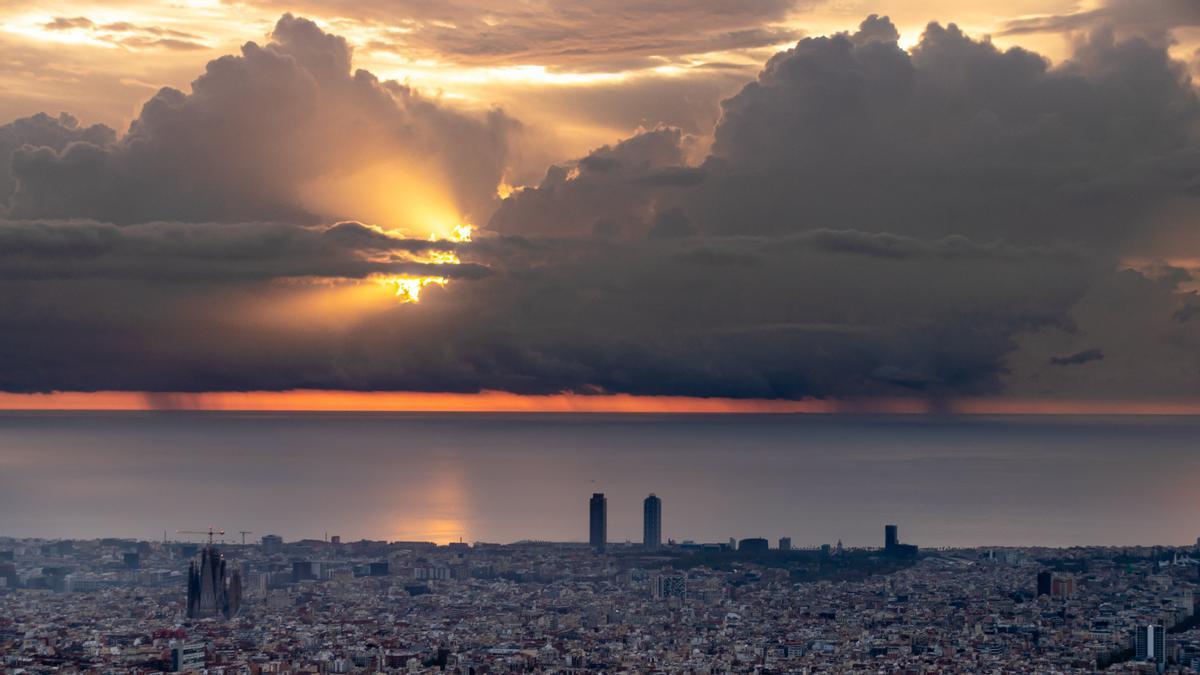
[946, 481]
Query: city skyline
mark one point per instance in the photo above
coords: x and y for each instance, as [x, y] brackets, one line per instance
[1082, 608]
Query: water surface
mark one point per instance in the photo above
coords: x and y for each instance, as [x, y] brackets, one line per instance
[501, 477]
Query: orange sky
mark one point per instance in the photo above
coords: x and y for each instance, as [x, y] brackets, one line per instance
[103, 74]
[346, 401]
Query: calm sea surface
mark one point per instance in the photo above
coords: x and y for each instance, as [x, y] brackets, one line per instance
[501, 478]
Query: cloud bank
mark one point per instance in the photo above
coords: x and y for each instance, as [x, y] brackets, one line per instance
[954, 219]
[256, 138]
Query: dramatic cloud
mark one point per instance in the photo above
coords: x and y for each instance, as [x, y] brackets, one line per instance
[262, 136]
[43, 131]
[869, 150]
[948, 220]
[178, 252]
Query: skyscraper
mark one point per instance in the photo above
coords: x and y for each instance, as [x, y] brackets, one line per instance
[891, 537]
[212, 591]
[598, 522]
[652, 522]
[1150, 645]
[1043, 583]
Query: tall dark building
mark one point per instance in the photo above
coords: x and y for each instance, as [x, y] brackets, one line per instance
[1150, 645]
[598, 522]
[1044, 580]
[212, 591]
[652, 522]
[892, 546]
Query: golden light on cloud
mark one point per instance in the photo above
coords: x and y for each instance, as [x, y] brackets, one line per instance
[408, 288]
[396, 195]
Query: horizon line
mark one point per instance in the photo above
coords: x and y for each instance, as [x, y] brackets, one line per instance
[319, 400]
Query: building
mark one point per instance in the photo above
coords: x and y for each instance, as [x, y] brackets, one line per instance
[652, 522]
[669, 586]
[892, 545]
[1043, 583]
[785, 543]
[754, 545]
[598, 522]
[1150, 645]
[272, 543]
[1062, 586]
[187, 657]
[212, 590]
[304, 570]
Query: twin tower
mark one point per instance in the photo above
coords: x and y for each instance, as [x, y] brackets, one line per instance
[598, 522]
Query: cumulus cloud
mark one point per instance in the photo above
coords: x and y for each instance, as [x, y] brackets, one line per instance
[956, 137]
[43, 131]
[854, 147]
[949, 220]
[610, 192]
[255, 134]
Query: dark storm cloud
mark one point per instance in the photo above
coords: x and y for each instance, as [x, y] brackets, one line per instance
[43, 131]
[256, 130]
[211, 252]
[612, 191]
[848, 148]
[948, 221]
[744, 316]
[591, 36]
[958, 137]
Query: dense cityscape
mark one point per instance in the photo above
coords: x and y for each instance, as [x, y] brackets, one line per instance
[746, 606]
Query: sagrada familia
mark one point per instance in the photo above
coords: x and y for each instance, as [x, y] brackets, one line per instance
[212, 592]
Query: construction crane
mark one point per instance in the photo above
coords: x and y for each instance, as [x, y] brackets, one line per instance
[210, 532]
[244, 533]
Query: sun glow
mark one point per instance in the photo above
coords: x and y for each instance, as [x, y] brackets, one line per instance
[461, 232]
[440, 258]
[408, 289]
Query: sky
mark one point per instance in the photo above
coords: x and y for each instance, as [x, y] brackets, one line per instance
[777, 205]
